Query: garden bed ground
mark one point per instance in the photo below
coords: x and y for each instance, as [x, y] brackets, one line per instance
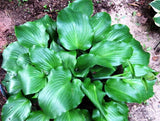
[136, 14]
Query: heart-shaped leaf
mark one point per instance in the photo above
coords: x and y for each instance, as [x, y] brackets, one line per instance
[101, 23]
[139, 56]
[32, 33]
[10, 56]
[129, 90]
[114, 53]
[60, 95]
[44, 58]
[119, 32]
[32, 80]
[83, 6]
[74, 30]
[17, 108]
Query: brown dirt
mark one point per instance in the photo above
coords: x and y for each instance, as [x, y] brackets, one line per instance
[134, 13]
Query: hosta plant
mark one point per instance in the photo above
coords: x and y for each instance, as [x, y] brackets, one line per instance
[77, 68]
[156, 6]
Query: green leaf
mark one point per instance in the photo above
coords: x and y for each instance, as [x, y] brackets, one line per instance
[114, 112]
[129, 90]
[101, 23]
[50, 26]
[32, 80]
[156, 19]
[12, 83]
[100, 72]
[139, 56]
[150, 76]
[54, 46]
[94, 92]
[120, 33]
[37, 116]
[60, 94]
[74, 30]
[23, 60]
[32, 33]
[44, 58]
[84, 63]
[140, 70]
[74, 115]
[68, 59]
[155, 5]
[17, 108]
[114, 53]
[10, 56]
[83, 6]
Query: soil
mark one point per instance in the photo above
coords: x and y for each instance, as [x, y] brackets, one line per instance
[136, 14]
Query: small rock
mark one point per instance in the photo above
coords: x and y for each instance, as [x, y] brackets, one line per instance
[138, 14]
[155, 58]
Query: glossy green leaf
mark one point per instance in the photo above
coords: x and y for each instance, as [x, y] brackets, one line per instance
[32, 33]
[74, 115]
[83, 6]
[156, 19]
[84, 63]
[68, 59]
[10, 56]
[44, 58]
[74, 30]
[114, 112]
[129, 90]
[140, 70]
[17, 108]
[100, 72]
[38, 116]
[119, 32]
[114, 53]
[139, 56]
[23, 60]
[101, 23]
[94, 92]
[32, 80]
[12, 83]
[50, 26]
[60, 94]
[150, 76]
[155, 5]
[54, 46]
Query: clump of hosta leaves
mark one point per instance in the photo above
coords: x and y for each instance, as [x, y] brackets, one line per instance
[156, 6]
[77, 68]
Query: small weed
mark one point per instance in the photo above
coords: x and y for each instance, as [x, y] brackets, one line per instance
[138, 24]
[45, 6]
[148, 38]
[134, 13]
[148, 48]
[98, 2]
[46, 10]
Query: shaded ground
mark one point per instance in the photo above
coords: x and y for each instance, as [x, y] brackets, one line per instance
[134, 13]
